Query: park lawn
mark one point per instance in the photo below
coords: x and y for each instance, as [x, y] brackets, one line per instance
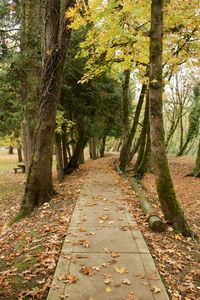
[7, 161]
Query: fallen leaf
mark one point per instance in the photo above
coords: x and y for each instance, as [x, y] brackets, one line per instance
[121, 270]
[108, 290]
[126, 281]
[87, 271]
[107, 281]
[106, 217]
[155, 289]
[68, 278]
[111, 222]
[96, 268]
[115, 254]
[82, 229]
[63, 297]
[106, 250]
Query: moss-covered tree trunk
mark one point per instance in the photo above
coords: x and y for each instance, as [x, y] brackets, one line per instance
[30, 54]
[170, 206]
[196, 170]
[172, 129]
[39, 185]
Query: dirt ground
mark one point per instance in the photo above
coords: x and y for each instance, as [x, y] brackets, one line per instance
[29, 249]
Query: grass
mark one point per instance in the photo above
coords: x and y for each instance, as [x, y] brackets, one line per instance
[7, 161]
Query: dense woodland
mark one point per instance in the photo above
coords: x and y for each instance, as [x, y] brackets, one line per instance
[106, 76]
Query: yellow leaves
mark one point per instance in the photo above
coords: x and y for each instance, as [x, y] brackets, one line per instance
[121, 270]
[70, 13]
[108, 290]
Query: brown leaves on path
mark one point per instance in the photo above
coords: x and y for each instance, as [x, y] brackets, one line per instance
[29, 249]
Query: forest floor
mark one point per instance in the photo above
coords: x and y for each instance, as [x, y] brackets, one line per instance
[30, 249]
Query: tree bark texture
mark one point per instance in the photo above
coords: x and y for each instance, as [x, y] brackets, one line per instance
[93, 149]
[64, 145]
[102, 146]
[196, 170]
[26, 143]
[80, 145]
[155, 223]
[39, 185]
[144, 148]
[143, 134]
[30, 47]
[59, 158]
[126, 148]
[10, 150]
[19, 153]
[167, 197]
[125, 121]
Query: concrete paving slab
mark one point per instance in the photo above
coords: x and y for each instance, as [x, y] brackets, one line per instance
[94, 287]
[109, 238]
[104, 240]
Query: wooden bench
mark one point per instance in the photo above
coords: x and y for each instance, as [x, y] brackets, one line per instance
[19, 167]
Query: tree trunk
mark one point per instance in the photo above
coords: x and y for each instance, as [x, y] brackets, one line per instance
[125, 151]
[80, 145]
[172, 129]
[102, 146]
[74, 161]
[26, 143]
[125, 103]
[181, 125]
[93, 145]
[153, 219]
[64, 146]
[143, 134]
[59, 158]
[81, 159]
[135, 149]
[72, 139]
[19, 154]
[10, 150]
[185, 145]
[170, 206]
[196, 170]
[144, 145]
[39, 185]
[68, 151]
[30, 47]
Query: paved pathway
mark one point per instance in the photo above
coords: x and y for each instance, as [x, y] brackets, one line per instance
[103, 250]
